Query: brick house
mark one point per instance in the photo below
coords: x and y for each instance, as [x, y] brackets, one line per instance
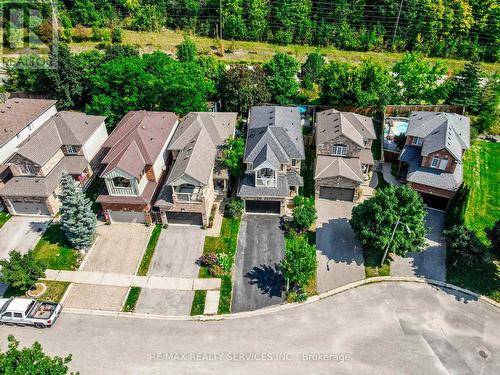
[432, 155]
[68, 142]
[273, 153]
[343, 154]
[135, 165]
[197, 176]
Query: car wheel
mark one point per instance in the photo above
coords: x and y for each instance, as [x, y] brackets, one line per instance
[39, 325]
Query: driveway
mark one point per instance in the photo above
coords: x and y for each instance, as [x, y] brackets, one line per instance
[178, 249]
[261, 246]
[430, 263]
[383, 328]
[340, 256]
[21, 233]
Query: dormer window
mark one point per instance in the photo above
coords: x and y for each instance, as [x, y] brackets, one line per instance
[26, 170]
[71, 150]
[417, 141]
[339, 150]
[121, 182]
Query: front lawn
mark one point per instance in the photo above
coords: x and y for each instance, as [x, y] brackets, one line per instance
[132, 298]
[150, 249]
[372, 264]
[483, 279]
[198, 307]
[55, 290]
[225, 244]
[482, 176]
[55, 251]
[4, 217]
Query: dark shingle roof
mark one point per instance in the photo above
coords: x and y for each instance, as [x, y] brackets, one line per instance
[332, 123]
[332, 166]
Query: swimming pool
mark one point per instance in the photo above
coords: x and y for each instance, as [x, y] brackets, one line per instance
[400, 127]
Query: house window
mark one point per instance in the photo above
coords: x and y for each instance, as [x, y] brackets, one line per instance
[71, 150]
[443, 163]
[121, 182]
[294, 162]
[339, 150]
[435, 162]
[26, 170]
[417, 141]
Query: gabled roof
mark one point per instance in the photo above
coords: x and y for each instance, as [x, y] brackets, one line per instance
[440, 130]
[64, 128]
[330, 166]
[198, 136]
[137, 141]
[331, 123]
[274, 132]
[18, 113]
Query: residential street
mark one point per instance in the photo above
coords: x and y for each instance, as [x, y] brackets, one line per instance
[383, 328]
[430, 263]
[261, 246]
[340, 257]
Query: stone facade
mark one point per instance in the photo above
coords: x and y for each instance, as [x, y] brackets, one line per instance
[337, 182]
[353, 149]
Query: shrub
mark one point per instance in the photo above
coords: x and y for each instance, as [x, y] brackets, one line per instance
[224, 261]
[81, 33]
[296, 296]
[21, 271]
[208, 259]
[304, 212]
[100, 35]
[463, 246]
[116, 35]
[216, 271]
[234, 208]
[186, 51]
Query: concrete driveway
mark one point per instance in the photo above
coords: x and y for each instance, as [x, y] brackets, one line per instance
[383, 328]
[178, 249]
[21, 233]
[430, 263]
[340, 256]
[261, 246]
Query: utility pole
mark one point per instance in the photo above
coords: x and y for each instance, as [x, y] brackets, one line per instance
[408, 230]
[397, 22]
[220, 18]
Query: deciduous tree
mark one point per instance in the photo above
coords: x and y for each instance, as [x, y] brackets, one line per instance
[299, 263]
[282, 82]
[463, 245]
[21, 271]
[310, 71]
[234, 149]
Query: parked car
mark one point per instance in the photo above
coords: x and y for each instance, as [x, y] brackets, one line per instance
[25, 311]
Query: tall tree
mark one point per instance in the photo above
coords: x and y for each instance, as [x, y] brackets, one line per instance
[234, 149]
[282, 82]
[78, 221]
[257, 19]
[466, 87]
[336, 85]
[299, 263]
[234, 23]
[310, 71]
[21, 271]
[373, 85]
[293, 19]
[374, 220]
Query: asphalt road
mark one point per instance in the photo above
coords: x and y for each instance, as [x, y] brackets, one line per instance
[383, 328]
[261, 246]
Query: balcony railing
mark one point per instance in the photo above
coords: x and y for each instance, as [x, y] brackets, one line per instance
[184, 194]
[265, 181]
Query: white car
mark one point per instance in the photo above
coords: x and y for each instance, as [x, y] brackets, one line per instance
[25, 311]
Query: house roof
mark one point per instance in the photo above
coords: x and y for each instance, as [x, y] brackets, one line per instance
[137, 141]
[429, 176]
[332, 123]
[18, 113]
[197, 138]
[331, 166]
[64, 128]
[145, 197]
[440, 130]
[274, 135]
[247, 188]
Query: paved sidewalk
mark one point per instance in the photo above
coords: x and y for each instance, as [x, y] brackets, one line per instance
[386, 171]
[121, 280]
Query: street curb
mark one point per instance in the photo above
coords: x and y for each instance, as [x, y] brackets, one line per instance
[286, 306]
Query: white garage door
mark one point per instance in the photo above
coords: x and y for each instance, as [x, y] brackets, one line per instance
[127, 216]
[29, 208]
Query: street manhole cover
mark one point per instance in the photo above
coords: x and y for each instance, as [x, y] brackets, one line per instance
[483, 354]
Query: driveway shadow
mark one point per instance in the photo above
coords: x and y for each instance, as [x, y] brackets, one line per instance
[267, 278]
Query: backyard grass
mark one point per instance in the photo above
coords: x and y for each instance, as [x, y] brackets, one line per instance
[255, 52]
[198, 302]
[482, 176]
[150, 249]
[55, 251]
[372, 264]
[225, 243]
[132, 297]
[4, 217]
[307, 172]
[55, 290]
[483, 279]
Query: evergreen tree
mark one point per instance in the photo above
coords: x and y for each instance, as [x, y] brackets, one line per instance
[78, 222]
[186, 50]
[467, 88]
[257, 14]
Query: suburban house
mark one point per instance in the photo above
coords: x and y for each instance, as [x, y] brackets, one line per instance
[135, 165]
[68, 142]
[343, 154]
[197, 176]
[273, 153]
[432, 156]
[19, 118]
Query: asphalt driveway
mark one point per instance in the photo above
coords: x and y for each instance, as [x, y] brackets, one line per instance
[261, 246]
[21, 233]
[430, 263]
[340, 256]
[177, 251]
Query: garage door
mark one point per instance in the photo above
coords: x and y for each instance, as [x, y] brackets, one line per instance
[127, 216]
[433, 201]
[339, 194]
[187, 218]
[263, 207]
[29, 208]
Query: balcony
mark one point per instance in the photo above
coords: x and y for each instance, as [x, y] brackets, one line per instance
[265, 181]
[188, 194]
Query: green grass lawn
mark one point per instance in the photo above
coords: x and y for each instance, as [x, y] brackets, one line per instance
[132, 298]
[55, 251]
[150, 249]
[55, 290]
[4, 217]
[307, 172]
[255, 52]
[372, 264]
[482, 176]
[225, 243]
[483, 279]
[198, 306]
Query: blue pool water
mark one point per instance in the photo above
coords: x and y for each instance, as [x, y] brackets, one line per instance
[401, 127]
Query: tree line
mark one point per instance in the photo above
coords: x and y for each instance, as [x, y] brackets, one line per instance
[443, 28]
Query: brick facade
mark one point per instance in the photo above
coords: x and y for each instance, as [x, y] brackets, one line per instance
[452, 163]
